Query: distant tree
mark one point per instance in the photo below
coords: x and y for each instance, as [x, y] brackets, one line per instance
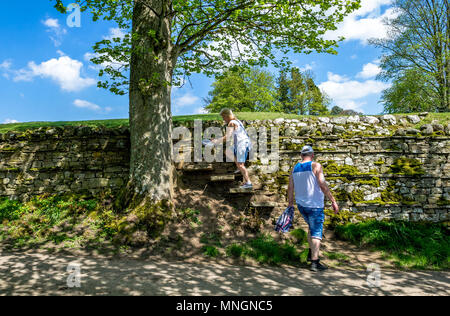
[283, 86]
[299, 94]
[410, 92]
[242, 90]
[318, 100]
[336, 110]
[417, 48]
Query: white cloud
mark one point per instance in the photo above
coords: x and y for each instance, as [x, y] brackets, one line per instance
[90, 106]
[365, 23]
[86, 105]
[115, 64]
[307, 67]
[5, 67]
[115, 33]
[370, 70]
[348, 93]
[10, 121]
[65, 71]
[52, 23]
[56, 31]
[200, 111]
[186, 100]
[336, 78]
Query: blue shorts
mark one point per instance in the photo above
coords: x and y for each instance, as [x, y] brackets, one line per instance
[241, 153]
[314, 217]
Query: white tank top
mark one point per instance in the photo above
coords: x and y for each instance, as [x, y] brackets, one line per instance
[306, 187]
[239, 135]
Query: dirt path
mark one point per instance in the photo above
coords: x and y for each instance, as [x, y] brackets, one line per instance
[40, 273]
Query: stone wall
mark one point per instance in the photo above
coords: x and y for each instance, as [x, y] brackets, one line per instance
[377, 167]
[63, 160]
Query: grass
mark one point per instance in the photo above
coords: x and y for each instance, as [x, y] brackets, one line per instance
[409, 245]
[442, 118]
[60, 220]
[192, 216]
[22, 127]
[212, 239]
[300, 235]
[264, 249]
[337, 256]
[251, 116]
[211, 251]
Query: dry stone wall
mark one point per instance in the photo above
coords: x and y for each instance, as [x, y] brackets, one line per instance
[377, 167]
[80, 160]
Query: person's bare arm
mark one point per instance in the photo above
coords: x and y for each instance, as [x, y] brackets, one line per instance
[231, 127]
[291, 190]
[318, 171]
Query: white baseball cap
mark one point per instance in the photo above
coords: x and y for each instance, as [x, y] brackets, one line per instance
[307, 150]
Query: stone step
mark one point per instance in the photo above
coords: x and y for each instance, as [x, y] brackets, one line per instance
[223, 178]
[198, 167]
[264, 204]
[241, 191]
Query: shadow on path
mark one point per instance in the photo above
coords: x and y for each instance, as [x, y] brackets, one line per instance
[38, 273]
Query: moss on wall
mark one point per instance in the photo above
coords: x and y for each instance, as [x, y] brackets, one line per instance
[375, 182]
[407, 166]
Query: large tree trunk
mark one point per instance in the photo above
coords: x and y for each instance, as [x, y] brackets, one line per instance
[152, 64]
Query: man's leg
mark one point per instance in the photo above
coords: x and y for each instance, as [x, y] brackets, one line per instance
[315, 248]
[316, 227]
[310, 246]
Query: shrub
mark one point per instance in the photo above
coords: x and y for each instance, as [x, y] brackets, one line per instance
[210, 251]
[300, 235]
[266, 250]
[235, 250]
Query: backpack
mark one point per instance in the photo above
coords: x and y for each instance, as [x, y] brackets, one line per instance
[284, 222]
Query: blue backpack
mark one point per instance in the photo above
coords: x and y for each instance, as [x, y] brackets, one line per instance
[284, 222]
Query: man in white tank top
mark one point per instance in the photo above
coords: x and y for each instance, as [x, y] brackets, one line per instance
[308, 183]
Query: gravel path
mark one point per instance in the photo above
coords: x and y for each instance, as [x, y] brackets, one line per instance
[39, 273]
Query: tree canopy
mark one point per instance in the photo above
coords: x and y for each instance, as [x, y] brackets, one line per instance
[243, 90]
[410, 93]
[417, 51]
[299, 94]
[208, 36]
[256, 90]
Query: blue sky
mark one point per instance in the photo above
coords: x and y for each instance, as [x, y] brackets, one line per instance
[45, 74]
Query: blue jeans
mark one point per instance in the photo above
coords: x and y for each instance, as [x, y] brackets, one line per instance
[314, 217]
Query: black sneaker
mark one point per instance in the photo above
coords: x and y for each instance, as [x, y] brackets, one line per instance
[309, 256]
[317, 266]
